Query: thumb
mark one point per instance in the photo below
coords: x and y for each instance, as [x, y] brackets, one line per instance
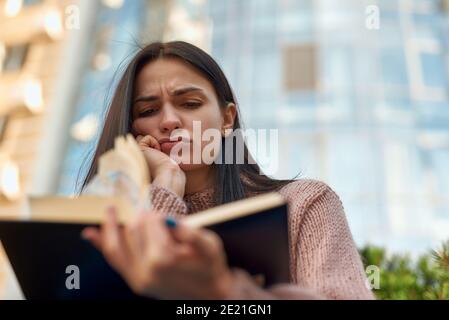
[205, 241]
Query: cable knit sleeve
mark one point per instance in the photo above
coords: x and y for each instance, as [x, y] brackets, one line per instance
[167, 202]
[325, 263]
[327, 258]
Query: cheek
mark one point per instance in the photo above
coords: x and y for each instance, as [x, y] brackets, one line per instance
[211, 120]
[143, 126]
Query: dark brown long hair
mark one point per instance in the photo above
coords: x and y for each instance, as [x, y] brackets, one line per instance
[232, 181]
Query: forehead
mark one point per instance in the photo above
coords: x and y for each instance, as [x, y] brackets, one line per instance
[169, 74]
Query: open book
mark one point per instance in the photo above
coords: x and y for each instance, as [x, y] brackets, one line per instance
[46, 250]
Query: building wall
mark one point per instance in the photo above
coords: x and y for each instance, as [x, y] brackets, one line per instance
[24, 132]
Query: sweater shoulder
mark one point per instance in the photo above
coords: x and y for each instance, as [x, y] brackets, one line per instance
[306, 197]
[306, 191]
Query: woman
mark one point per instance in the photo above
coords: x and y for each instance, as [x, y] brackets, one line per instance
[165, 89]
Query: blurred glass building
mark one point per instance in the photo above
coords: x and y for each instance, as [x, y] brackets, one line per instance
[358, 90]
[360, 105]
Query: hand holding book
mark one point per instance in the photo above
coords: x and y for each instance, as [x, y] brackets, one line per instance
[178, 262]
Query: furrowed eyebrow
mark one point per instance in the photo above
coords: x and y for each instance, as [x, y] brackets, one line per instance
[177, 92]
[146, 99]
[185, 90]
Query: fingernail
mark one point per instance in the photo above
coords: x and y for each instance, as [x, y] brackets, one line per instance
[170, 222]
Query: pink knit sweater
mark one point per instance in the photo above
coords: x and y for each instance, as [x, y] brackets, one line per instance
[324, 261]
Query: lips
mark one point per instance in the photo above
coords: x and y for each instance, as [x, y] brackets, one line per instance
[167, 146]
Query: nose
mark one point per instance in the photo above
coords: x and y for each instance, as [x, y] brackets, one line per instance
[170, 119]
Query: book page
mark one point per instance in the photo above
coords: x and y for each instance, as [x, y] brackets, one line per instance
[9, 286]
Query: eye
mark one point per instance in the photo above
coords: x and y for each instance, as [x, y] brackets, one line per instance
[147, 112]
[192, 104]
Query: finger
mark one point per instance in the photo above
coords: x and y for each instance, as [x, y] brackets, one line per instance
[158, 241]
[92, 235]
[134, 234]
[156, 230]
[113, 245]
[205, 241]
[151, 142]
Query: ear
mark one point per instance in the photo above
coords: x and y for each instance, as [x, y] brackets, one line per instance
[229, 114]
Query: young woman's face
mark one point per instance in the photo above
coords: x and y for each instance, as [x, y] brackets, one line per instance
[169, 95]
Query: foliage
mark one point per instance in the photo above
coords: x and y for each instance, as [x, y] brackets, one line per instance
[403, 278]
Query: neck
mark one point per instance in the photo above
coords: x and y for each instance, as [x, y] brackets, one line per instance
[200, 179]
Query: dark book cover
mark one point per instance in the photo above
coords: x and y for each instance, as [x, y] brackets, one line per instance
[42, 252]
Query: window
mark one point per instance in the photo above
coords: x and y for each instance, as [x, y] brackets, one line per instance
[393, 66]
[13, 58]
[2, 127]
[434, 70]
[299, 67]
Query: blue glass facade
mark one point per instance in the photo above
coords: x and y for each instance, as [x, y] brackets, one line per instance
[376, 126]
